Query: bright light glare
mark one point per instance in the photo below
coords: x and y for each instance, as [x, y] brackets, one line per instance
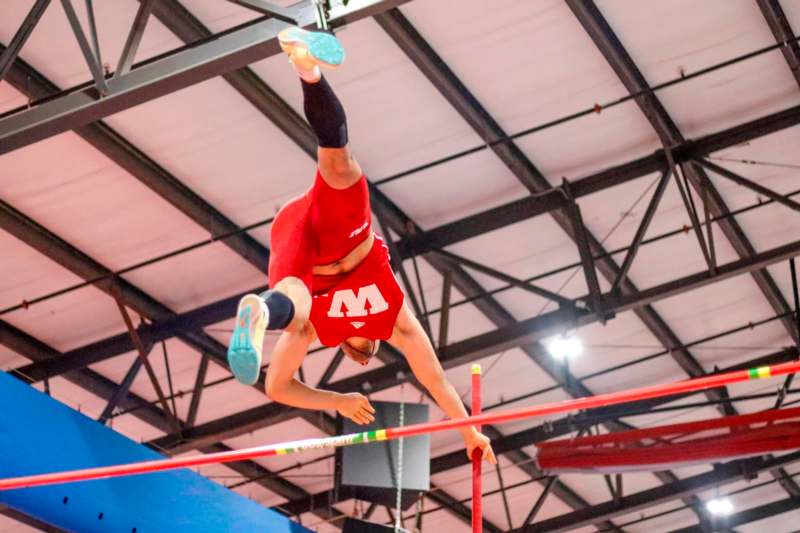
[565, 348]
[719, 506]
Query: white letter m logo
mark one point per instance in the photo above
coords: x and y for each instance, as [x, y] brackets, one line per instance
[357, 304]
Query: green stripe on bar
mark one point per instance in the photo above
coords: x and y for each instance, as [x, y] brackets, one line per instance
[760, 372]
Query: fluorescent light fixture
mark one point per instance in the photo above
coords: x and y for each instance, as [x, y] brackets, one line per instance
[561, 347]
[719, 506]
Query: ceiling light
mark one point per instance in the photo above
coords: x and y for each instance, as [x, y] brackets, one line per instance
[719, 506]
[561, 347]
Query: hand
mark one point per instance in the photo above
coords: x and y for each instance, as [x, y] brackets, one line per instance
[356, 407]
[479, 441]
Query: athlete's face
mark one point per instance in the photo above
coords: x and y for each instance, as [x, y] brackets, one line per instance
[360, 349]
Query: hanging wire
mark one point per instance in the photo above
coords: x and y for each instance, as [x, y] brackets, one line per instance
[399, 472]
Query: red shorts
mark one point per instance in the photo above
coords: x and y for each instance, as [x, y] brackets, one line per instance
[318, 228]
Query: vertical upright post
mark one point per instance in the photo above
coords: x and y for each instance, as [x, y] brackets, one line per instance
[477, 480]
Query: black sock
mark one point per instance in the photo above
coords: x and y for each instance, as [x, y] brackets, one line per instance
[281, 309]
[325, 114]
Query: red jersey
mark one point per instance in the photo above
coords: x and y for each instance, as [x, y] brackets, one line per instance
[321, 227]
[364, 302]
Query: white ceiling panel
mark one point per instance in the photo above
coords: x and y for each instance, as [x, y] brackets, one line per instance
[489, 48]
[233, 157]
[10, 98]
[74, 397]
[10, 359]
[197, 278]
[455, 190]
[622, 340]
[714, 308]
[133, 428]
[72, 320]
[26, 274]
[778, 522]
[589, 144]
[219, 16]
[92, 203]
[715, 32]
[742, 346]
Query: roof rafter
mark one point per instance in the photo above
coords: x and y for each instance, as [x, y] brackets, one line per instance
[782, 30]
[529, 207]
[27, 80]
[629, 74]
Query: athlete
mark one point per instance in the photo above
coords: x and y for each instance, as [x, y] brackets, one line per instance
[329, 273]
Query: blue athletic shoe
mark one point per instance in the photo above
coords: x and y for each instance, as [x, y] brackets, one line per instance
[244, 351]
[321, 47]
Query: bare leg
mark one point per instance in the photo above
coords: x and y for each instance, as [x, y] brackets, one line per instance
[323, 110]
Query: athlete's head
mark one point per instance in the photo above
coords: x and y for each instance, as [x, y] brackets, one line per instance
[360, 349]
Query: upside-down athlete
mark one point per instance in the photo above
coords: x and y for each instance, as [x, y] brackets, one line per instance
[329, 274]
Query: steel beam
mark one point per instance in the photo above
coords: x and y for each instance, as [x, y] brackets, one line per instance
[721, 475]
[530, 207]
[233, 50]
[647, 218]
[623, 65]
[782, 30]
[64, 254]
[122, 390]
[507, 337]
[128, 54]
[30, 82]
[747, 183]
[91, 56]
[197, 392]
[620, 61]
[10, 54]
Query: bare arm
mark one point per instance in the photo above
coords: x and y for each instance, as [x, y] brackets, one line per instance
[411, 339]
[283, 387]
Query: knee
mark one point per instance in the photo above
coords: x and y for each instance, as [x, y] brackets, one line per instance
[300, 296]
[338, 167]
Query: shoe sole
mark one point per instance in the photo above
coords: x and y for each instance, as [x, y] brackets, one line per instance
[243, 358]
[323, 47]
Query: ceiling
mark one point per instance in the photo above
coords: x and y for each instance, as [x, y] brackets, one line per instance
[431, 89]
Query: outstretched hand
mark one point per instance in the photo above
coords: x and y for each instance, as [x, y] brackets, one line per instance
[356, 407]
[479, 441]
